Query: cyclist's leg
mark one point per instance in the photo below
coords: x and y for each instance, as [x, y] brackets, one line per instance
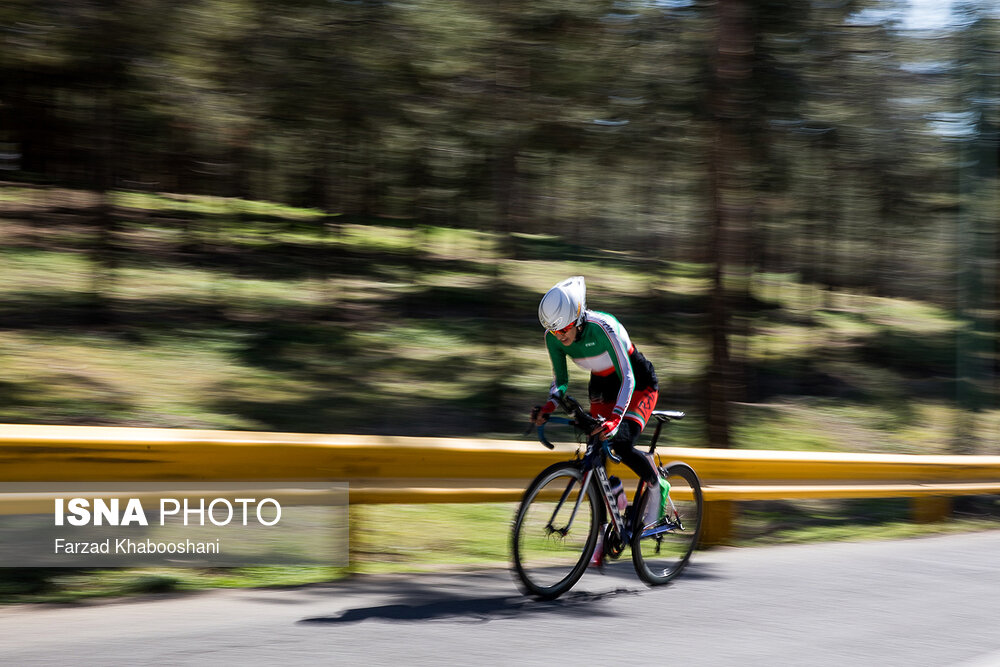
[623, 443]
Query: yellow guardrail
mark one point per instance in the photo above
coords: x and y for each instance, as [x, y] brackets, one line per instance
[388, 469]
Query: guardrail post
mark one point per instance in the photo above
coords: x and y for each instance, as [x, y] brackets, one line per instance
[717, 523]
[928, 509]
[355, 521]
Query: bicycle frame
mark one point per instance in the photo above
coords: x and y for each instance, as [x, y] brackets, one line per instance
[593, 462]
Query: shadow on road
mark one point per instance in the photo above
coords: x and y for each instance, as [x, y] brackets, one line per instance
[476, 610]
[450, 599]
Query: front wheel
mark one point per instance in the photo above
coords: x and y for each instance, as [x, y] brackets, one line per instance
[662, 548]
[555, 531]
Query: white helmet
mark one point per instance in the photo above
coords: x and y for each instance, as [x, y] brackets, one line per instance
[564, 304]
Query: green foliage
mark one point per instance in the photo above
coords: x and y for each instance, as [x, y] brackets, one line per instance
[275, 324]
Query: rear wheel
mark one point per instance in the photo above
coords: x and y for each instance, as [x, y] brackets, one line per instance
[663, 547]
[555, 531]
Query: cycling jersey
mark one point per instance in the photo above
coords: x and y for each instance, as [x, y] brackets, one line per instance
[603, 347]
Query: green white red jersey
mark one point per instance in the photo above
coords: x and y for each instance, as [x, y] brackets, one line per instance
[603, 347]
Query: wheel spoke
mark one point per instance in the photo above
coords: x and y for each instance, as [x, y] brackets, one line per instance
[555, 531]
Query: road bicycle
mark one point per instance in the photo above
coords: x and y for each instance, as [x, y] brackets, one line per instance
[570, 508]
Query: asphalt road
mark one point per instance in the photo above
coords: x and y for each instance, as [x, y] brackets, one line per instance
[931, 601]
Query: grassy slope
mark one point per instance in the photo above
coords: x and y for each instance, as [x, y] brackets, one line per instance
[241, 315]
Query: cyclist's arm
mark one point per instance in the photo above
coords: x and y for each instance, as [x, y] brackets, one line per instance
[560, 372]
[618, 351]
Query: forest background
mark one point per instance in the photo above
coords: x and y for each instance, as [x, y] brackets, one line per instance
[339, 216]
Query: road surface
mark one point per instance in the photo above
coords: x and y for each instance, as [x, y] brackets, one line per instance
[929, 601]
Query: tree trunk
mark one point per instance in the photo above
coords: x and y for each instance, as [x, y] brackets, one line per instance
[730, 192]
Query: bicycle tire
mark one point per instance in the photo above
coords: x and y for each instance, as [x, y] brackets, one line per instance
[547, 561]
[662, 549]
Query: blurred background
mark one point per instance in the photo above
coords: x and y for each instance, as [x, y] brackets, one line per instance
[339, 216]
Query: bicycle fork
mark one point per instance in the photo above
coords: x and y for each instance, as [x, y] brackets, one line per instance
[579, 499]
[602, 477]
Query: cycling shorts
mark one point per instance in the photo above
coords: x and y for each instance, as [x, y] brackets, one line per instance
[639, 408]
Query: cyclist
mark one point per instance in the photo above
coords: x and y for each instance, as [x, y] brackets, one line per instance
[623, 385]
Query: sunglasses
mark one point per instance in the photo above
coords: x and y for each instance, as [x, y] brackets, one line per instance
[564, 330]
